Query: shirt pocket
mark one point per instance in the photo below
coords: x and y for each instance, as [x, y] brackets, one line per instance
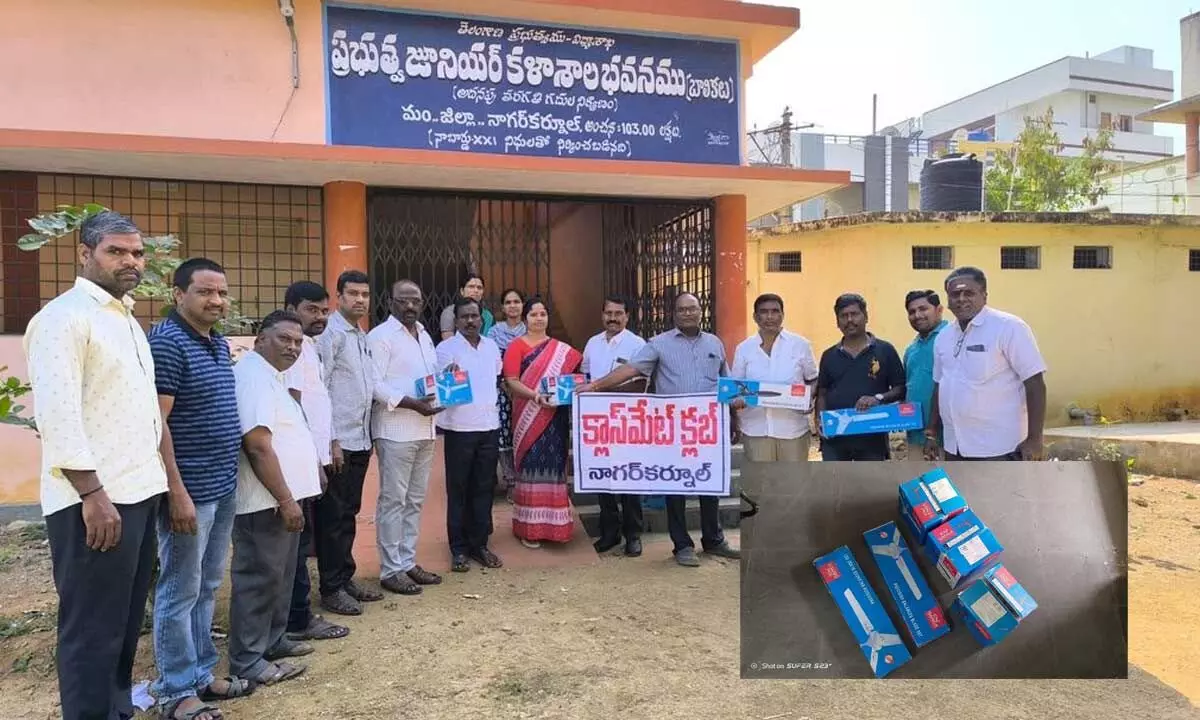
[980, 366]
[710, 366]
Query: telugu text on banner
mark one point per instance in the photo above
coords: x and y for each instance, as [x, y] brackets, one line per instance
[416, 81]
[651, 444]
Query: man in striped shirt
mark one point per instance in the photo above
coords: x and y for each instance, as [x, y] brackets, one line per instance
[197, 397]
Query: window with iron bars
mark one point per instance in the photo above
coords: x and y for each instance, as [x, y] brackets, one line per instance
[1194, 260]
[784, 261]
[1020, 258]
[932, 257]
[265, 236]
[1092, 257]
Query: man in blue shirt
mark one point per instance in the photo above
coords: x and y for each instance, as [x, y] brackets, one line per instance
[196, 394]
[925, 316]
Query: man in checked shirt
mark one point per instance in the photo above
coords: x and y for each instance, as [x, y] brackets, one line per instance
[350, 381]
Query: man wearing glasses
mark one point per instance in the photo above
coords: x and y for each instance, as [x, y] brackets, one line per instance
[989, 392]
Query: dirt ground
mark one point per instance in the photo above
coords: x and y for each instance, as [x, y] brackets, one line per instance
[637, 638]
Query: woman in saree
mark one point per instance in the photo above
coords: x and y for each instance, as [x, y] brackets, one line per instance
[541, 432]
[510, 327]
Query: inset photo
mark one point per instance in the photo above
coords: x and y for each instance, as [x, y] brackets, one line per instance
[984, 570]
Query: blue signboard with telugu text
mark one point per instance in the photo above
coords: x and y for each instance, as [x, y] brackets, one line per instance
[435, 82]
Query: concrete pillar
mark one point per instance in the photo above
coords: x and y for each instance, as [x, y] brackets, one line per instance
[729, 230]
[345, 230]
[1192, 143]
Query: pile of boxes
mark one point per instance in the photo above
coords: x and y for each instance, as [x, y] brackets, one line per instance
[989, 600]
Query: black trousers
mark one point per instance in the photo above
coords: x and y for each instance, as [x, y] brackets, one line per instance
[1014, 455]
[856, 447]
[335, 522]
[620, 515]
[101, 605]
[300, 614]
[711, 534]
[470, 488]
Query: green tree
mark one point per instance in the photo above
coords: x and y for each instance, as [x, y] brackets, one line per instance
[1035, 177]
[161, 260]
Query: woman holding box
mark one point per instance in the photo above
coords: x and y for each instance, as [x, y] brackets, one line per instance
[541, 431]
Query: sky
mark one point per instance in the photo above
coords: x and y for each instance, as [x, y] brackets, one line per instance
[919, 54]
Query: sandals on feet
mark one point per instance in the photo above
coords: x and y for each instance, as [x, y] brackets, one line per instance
[170, 710]
[421, 576]
[487, 558]
[459, 564]
[238, 687]
[401, 584]
[362, 594]
[288, 648]
[320, 629]
[280, 672]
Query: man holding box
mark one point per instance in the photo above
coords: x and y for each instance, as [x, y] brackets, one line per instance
[682, 360]
[774, 355]
[860, 372]
[403, 428]
[472, 439]
[604, 352]
[989, 392]
[925, 316]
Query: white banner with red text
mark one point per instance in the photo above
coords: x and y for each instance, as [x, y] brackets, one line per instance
[651, 444]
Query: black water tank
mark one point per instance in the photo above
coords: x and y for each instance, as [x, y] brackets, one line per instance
[952, 183]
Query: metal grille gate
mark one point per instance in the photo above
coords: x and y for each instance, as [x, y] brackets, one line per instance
[655, 251]
[434, 239]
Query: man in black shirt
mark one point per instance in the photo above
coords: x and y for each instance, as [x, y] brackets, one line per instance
[860, 372]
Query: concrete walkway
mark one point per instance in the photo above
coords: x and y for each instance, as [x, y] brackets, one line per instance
[1170, 449]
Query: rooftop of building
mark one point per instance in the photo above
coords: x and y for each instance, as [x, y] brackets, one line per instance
[914, 217]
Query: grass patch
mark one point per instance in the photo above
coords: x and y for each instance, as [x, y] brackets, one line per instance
[26, 623]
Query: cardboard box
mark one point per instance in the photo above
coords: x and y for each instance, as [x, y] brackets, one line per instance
[918, 607]
[756, 393]
[883, 648]
[929, 500]
[446, 389]
[960, 546]
[994, 605]
[894, 417]
[560, 389]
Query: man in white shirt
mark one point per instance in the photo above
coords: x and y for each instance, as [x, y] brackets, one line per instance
[471, 439]
[306, 382]
[774, 355]
[603, 353]
[989, 392]
[278, 467]
[96, 408]
[403, 428]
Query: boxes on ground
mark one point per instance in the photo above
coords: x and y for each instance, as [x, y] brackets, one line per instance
[757, 393]
[560, 389]
[864, 614]
[960, 546]
[445, 389]
[918, 607]
[929, 500]
[994, 605]
[893, 417]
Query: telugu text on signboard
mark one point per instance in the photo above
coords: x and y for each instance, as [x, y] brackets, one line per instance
[409, 80]
[651, 444]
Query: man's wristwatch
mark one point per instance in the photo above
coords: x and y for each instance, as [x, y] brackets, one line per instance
[879, 397]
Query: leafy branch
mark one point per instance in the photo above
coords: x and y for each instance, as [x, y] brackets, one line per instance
[12, 388]
[161, 260]
[1035, 177]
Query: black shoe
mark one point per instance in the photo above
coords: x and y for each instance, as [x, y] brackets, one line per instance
[633, 548]
[724, 550]
[604, 544]
[459, 564]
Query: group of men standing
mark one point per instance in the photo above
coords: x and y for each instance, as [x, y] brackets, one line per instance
[979, 380]
[162, 448]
